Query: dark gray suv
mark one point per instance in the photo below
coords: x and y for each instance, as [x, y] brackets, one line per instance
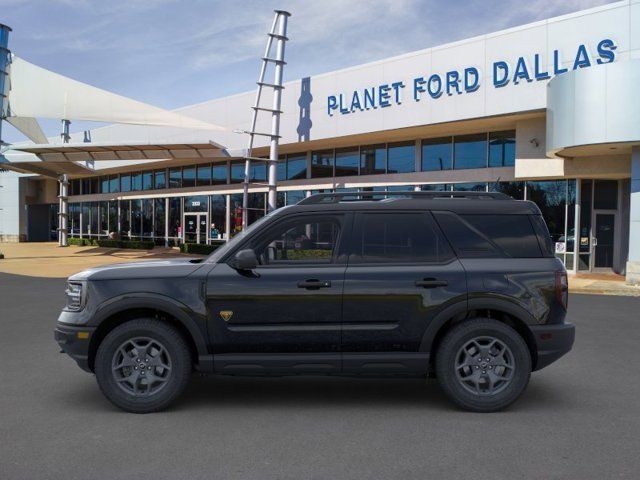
[461, 286]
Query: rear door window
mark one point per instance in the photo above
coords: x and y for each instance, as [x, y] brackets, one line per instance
[397, 237]
[490, 235]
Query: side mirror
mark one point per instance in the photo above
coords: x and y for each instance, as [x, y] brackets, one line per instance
[245, 260]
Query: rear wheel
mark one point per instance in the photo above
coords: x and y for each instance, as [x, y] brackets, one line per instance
[483, 365]
[143, 365]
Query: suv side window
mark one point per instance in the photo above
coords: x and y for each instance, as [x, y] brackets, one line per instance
[395, 237]
[304, 240]
[512, 233]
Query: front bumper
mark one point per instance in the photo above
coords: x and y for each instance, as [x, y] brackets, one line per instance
[74, 341]
[552, 342]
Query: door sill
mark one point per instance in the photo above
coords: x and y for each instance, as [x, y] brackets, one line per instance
[361, 363]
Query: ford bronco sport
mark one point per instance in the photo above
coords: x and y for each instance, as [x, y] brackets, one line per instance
[461, 286]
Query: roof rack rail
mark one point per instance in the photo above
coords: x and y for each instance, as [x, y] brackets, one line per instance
[369, 195]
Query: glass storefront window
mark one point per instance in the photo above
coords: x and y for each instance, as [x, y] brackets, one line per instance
[136, 218]
[175, 220]
[296, 167]
[175, 177]
[219, 173]
[136, 181]
[114, 184]
[436, 187]
[586, 206]
[197, 203]
[188, 177]
[160, 179]
[502, 149]
[86, 218]
[104, 181]
[125, 182]
[104, 218]
[147, 217]
[401, 157]
[113, 216]
[605, 194]
[550, 196]
[147, 181]
[470, 187]
[347, 161]
[237, 172]
[95, 185]
[437, 154]
[258, 172]
[74, 219]
[203, 175]
[470, 151]
[158, 216]
[322, 164]
[373, 160]
[125, 220]
[513, 189]
[86, 186]
[217, 217]
[95, 224]
[282, 168]
[294, 196]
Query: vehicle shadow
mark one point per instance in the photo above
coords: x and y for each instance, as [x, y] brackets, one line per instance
[321, 392]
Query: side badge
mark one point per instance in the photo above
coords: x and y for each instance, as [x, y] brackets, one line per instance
[226, 315]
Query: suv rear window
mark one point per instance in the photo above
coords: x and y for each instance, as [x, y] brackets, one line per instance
[512, 233]
[489, 236]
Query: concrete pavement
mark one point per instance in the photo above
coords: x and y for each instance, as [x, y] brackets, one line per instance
[579, 418]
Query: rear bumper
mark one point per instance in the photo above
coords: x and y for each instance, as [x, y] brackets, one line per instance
[74, 341]
[552, 342]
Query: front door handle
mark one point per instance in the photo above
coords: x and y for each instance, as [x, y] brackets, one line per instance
[431, 283]
[314, 284]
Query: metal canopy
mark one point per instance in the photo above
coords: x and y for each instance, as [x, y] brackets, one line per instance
[80, 152]
[76, 158]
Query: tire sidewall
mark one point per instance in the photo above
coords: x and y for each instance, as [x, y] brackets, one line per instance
[176, 349]
[456, 339]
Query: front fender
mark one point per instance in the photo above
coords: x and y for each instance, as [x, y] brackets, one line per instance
[194, 323]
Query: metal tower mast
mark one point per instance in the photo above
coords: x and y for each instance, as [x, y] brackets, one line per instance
[278, 33]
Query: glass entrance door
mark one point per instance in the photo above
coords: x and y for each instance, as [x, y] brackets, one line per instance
[604, 236]
[195, 228]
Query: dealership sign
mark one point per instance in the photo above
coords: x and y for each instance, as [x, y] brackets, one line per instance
[467, 80]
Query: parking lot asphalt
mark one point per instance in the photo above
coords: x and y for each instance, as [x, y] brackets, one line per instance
[579, 418]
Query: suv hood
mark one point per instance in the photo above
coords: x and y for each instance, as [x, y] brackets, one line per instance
[169, 268]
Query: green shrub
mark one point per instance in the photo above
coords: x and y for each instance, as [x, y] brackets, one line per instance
[76, 241]
[199, 249]
[108, 243]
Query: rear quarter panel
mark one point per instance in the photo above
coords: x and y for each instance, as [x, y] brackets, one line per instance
[526, 282]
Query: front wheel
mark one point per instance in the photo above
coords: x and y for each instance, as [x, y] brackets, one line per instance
[143, 365]
[483, 365]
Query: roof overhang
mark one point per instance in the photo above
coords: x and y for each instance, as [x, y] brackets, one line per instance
[79, 158]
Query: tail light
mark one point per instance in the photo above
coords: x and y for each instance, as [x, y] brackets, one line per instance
[562, 289]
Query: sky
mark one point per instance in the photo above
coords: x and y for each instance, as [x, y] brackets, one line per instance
[172, 53]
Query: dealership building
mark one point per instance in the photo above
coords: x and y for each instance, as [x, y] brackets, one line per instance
[548, 112]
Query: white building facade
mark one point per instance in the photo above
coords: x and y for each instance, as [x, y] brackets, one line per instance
[548, 111]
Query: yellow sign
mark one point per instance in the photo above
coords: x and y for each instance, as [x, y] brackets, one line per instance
[226, 315]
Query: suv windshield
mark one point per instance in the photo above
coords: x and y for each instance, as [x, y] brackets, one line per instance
[220, 252]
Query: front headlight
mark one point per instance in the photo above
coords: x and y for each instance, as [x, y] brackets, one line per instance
[75, 296]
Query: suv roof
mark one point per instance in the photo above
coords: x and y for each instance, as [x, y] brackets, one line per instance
[459, 202]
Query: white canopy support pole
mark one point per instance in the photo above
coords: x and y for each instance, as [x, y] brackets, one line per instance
[275, 115]
[278, 33]
[63, 203]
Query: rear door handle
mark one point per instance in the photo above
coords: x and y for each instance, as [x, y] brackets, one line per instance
[431, 283]
[314, 284]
